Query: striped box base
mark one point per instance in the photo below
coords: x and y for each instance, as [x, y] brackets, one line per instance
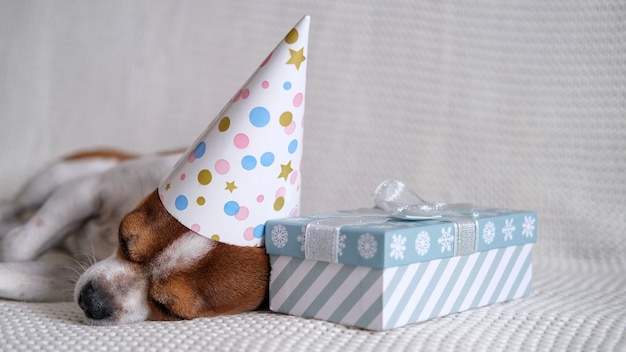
[381, 299]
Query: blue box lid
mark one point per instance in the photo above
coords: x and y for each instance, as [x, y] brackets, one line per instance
[369, 237]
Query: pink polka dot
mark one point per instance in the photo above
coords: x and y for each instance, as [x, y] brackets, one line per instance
[243, 213]
[260, 198]
[294, 213]
[182, 176]
[237, 96]
[222, 166]
[191, 157]
[248, 234]
[241, 140]
[294, 177]
[266, 60]
[265, 84]
[298, 99]
[290, 128]
[281, 192]
[246, 93]
[195, 228]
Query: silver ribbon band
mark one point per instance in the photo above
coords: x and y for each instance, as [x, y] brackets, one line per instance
[321, 238]
[466, 231]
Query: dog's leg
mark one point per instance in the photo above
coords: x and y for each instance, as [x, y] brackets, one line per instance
[7, 225]
[40, 187]
[66, 209]
[44, 280]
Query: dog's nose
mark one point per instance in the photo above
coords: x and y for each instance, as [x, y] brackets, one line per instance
[94, 302]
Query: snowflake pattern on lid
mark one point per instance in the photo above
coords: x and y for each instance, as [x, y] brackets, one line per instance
[244, 169]
[422, 243]
[508, 229]
[397, 247]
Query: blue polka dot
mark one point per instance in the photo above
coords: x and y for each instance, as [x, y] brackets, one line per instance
[259, 116]
[181, 202]
[200, 149]
[293, 146]
[248, 162]
[231, 208]
[267, 159]
[287, 85]
[259, 231]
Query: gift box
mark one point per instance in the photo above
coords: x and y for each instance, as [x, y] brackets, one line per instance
[367, 269]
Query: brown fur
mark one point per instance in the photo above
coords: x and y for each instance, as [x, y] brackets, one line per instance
[230, 279]
[101, 153]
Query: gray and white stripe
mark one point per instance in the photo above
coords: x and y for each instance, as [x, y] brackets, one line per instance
[381, 299]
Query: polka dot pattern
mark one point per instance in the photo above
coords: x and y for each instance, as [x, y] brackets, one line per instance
[231, 208]
[279, 203]
[222, 166]
[181, 202]
[204, 177]
[224, 124]
[259, 116]
[298, 99]
[248, 162]
[267, 159]
[200, 150]
[242, 170]
[292, 36]
[241, 140]
[293, 146]
[286, 118]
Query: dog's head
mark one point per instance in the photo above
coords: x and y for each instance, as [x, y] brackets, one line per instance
[163, 271]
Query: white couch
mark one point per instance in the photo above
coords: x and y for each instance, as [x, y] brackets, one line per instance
[518, 104]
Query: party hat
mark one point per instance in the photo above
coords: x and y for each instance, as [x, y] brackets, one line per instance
[244, 169]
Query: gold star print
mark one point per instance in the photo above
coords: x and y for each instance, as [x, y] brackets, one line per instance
[230, 186]
[167, 187]
[285, 170]
[297, 57]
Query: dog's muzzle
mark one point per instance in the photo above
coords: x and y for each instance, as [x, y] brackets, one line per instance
[95, 302]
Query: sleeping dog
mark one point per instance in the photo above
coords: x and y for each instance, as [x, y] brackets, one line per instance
[91, 228]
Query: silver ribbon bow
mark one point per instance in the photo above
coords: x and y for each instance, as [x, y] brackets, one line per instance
[321, 240]
[394, 197]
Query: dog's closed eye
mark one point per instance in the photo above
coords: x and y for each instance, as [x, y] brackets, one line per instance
[123, 244]
[163, 309]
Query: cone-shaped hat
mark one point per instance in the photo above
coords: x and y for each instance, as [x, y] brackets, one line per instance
[244, 169]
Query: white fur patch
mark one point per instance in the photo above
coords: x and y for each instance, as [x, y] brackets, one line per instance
[127, 285]
[181, 254]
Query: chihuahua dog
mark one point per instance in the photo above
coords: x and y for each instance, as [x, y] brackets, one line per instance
[91, 228]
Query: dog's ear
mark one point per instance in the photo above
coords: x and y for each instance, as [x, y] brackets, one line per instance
[147, 230]
[230, 280]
